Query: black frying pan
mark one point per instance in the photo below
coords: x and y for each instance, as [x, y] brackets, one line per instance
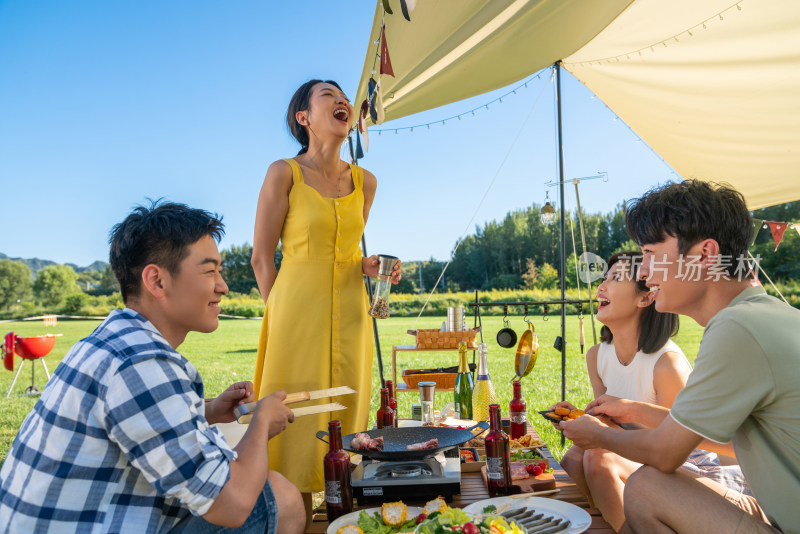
[396, 439]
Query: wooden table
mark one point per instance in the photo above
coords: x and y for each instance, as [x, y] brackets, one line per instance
[473, 489]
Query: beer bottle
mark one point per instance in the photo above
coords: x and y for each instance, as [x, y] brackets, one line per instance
[518, 413]
[498, 456]
[462, 393]
[392, 400]
[385, 416]
[338, 492]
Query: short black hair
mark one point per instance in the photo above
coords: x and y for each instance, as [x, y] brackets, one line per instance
[159, 234]
[655, 327]
[299, 102]
[691, 211]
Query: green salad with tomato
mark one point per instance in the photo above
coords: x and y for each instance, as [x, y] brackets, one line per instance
[455, 521]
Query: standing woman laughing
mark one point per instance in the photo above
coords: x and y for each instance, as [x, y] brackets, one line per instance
[316, 332]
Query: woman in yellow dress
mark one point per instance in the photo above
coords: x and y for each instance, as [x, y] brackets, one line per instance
[316, 332]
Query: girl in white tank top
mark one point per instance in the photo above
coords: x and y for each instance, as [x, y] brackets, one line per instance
[635, 380]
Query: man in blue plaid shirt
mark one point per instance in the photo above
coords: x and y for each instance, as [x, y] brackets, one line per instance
[121, 439]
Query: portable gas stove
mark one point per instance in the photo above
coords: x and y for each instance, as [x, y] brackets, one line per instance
[407, 479]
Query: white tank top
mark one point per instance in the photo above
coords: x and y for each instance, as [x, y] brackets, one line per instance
[635, 380]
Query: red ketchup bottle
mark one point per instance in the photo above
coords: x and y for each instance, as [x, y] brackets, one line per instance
[385, 416]
[498, 456]
[518, 412]
[338, 492]
[392, 400]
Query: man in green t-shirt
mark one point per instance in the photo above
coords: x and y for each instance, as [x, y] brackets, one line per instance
[744, 393]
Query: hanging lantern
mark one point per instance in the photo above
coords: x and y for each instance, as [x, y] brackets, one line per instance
[548, 211]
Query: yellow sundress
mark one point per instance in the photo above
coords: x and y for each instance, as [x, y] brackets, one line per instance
[316, 331]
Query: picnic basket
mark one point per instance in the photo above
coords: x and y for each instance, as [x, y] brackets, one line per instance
[436, 339]
[443, 380]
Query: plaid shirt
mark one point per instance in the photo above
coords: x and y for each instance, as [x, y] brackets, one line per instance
[118, 441]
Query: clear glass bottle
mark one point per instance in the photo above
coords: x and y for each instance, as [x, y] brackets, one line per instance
[483, 393]
[383, 286]
[462, 393]
[385, 416]
[338, 491]
[392, 400]
[518, 413]
[498, 456]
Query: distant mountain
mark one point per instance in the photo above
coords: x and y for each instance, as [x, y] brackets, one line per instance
[36, 264]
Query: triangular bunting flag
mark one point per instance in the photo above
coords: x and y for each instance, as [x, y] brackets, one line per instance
[756, 228]
[359, 150]
[777, 229]
[407, 6]
[387, 7]
[797, 227]
[362, 114]
[371, 93]
[386, 62]
[379, 103]
[350, 146]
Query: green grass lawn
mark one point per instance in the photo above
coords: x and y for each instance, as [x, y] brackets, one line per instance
[228, 355]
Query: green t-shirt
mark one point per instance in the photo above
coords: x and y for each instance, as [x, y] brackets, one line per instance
[745, 387]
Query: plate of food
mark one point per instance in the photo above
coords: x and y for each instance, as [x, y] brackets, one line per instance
[561, 414]
[391, 518]
[526, 442]
[446, 520]
[530, 512]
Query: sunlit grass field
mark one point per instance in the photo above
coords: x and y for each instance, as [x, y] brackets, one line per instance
[228, 355]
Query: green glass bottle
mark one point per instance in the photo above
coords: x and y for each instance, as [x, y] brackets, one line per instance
[463, 391]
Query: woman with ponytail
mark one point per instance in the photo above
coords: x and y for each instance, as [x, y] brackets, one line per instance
[316, 332]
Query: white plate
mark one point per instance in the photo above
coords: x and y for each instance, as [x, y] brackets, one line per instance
[352, 517]
[579, 519]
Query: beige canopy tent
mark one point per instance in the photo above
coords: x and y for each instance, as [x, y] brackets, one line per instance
[712, 86]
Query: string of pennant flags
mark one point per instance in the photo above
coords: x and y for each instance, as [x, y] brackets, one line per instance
[776, 228]
[672, 40]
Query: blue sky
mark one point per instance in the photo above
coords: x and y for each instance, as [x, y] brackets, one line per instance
[104, 104]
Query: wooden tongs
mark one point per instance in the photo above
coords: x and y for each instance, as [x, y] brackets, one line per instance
[244, 413]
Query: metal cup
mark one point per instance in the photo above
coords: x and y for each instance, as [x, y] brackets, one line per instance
[455, 318]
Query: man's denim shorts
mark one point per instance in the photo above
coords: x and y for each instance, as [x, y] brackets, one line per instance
[262, 520]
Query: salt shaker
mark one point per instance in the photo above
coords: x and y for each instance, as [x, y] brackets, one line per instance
[426, 395]
[383, 284]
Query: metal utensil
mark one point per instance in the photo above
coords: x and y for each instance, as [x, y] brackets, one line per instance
[244, 413]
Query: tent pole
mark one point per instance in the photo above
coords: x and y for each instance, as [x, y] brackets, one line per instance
[583, 242]
[374, 321]
[557, 66]
[369, 288]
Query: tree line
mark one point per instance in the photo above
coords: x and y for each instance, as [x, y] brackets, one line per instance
[519, 252]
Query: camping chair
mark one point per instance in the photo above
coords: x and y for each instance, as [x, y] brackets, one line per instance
[28, 348]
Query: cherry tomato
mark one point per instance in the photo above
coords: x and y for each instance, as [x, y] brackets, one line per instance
[537, 470]
[543, 466]
[470, 528]
[422, 517]
[529, 468]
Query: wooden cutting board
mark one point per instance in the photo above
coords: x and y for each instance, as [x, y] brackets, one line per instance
[545, 481]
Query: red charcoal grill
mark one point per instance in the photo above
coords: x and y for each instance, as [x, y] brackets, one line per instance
[28, 348]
